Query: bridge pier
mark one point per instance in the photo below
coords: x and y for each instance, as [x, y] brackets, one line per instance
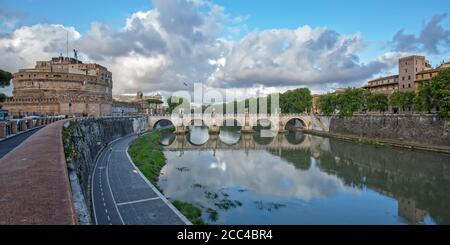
[281, 128]
[180, 130]
[247, 129]
[214, 130]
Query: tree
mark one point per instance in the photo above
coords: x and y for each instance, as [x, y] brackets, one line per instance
[174, 101]
[377, 101]
[5, 78]
[402, 99]
[440, 92]
[296, 101]
[424, 99]
[3, 97]
[350, 101]
[327, 103]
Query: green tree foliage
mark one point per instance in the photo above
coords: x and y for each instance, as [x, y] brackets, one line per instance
[296, 101]
[327, 103]
[3, 97]
[377, 101]
[351, 101]
[440, 92]
[424, 100]
[173, 102]
[402, 99]
[5, 78]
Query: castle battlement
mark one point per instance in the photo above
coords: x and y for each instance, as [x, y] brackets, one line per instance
[62, 85]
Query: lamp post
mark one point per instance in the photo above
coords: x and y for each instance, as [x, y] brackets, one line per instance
[186, 84]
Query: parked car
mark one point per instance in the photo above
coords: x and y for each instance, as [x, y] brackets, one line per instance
[3, 115]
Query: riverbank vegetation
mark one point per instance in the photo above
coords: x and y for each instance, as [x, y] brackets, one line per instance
[190, 211]
[148, 156]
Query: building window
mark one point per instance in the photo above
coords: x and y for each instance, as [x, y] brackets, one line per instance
[403, 85]
[409, 85]
[406, 70]
[403, 78]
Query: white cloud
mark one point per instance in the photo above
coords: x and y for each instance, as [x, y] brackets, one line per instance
[179, 41]
[305, 56]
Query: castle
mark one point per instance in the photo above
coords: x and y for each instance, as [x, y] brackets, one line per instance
[61, 86]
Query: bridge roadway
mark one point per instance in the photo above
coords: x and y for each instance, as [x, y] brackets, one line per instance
[121, 195]
[9, 144]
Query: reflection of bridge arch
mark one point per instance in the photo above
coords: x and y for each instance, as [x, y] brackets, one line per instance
[246, 142]
[202, 136]
[262, 140]
[295, 138]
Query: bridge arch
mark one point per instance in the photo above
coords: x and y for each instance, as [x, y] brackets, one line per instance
[295, 122]
[155, 123]
[230, 122]
[263, 123]
[197, 122]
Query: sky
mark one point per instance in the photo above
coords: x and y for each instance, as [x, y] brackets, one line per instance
[246, 46]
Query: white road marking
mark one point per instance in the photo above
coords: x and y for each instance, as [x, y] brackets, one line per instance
[112, 194]
[138, 201]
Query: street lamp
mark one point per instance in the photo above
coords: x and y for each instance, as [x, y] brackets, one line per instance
[186, 84]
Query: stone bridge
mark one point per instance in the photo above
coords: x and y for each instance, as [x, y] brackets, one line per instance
[213, 121]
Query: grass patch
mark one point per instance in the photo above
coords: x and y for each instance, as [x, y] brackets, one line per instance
[192, 213]
[148, 156]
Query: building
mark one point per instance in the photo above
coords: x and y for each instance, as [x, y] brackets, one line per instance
[386, 85]
[122, 108]
[408, 68]
[61, 86]
[147, 104]
[425, 76]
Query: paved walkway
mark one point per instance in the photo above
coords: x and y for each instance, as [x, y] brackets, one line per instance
[122, 195]
[9, 144]
[34, 185]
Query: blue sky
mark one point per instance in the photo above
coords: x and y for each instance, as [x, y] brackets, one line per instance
[358, 31]
[377, 20]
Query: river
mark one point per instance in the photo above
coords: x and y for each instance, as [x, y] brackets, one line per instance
[295, 178]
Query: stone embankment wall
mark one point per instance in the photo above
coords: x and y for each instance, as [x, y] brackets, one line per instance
[421, 129]
[83, 141]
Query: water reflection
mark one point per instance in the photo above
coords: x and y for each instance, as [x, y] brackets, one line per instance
[304, 179]
[230, 135]
[197, 135]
